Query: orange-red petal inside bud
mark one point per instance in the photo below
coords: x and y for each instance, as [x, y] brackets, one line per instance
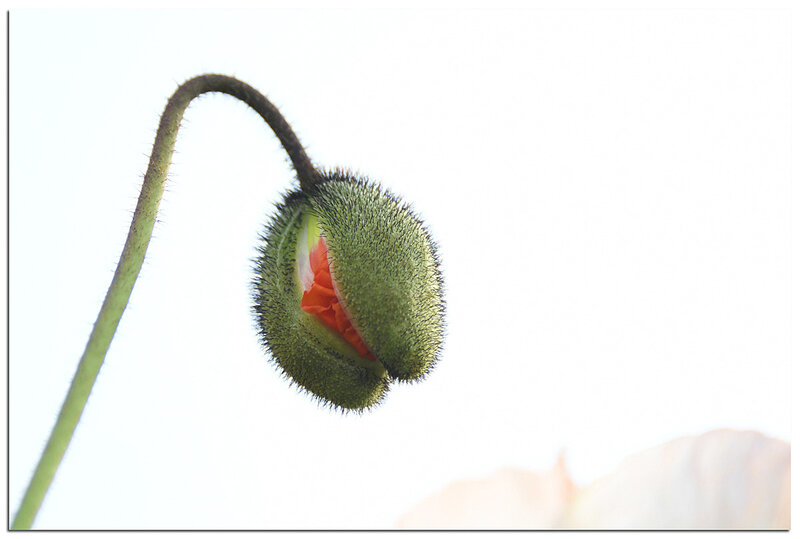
[322, 301]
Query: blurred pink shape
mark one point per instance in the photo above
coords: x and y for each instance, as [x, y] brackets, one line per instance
[723, 479]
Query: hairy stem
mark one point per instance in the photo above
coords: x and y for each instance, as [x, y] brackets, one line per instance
[131, 262]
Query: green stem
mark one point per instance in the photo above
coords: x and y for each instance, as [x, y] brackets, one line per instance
[131, 262]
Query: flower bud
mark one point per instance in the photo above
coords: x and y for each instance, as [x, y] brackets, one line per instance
[348, 294]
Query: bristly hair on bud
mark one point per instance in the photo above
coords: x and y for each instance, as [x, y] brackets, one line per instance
[385, 274]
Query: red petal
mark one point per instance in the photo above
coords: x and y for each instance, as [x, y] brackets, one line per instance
[318, 256]
[322, 301]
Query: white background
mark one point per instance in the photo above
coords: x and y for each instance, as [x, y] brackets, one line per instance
[610, 189]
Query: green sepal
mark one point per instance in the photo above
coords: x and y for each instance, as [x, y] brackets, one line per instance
[307, 351]
[386, 269]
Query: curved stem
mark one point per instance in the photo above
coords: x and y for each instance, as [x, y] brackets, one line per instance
[131, 262]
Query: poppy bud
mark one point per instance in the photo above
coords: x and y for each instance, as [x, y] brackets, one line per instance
[348, 294]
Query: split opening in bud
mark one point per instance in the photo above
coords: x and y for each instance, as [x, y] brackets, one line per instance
[319, 290]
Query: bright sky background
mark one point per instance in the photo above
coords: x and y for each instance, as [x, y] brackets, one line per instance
[610, 189]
